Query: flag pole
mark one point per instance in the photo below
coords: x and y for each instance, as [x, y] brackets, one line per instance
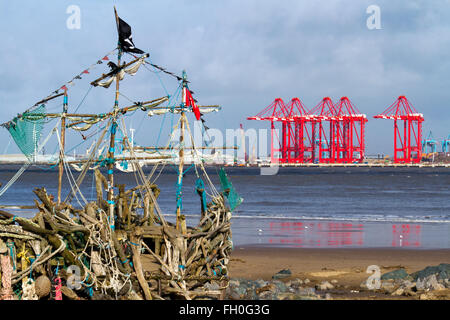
[117, 19]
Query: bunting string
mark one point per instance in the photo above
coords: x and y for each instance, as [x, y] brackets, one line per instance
[79, 76]
[159, 68]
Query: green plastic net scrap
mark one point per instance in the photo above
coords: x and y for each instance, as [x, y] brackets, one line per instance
[234, 200]
[26, 130]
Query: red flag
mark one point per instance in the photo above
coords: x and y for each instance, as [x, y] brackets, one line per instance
[85, 71]
[105, 58]
[191, 103]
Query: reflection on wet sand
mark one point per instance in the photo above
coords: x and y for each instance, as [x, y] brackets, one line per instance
[336, 234]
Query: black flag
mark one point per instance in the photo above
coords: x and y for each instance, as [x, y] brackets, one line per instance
[125, 39]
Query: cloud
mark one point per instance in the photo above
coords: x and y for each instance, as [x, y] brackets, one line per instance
[239, 54]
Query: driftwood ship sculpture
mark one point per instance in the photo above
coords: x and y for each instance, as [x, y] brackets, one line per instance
[121, 247]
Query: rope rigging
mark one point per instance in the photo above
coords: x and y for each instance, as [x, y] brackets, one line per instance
[36, 115]
[105, 238]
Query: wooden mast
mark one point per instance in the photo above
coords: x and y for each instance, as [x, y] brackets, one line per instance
[61, 149]
[110, 158]
[181, 151]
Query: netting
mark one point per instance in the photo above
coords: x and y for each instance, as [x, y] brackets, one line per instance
[26, 130]
[234, 200]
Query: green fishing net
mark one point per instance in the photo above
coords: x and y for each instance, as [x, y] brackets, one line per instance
[234, 200]
[26, 130]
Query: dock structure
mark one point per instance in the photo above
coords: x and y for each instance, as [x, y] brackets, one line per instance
[334, 133]
[277, 112]
[349, 135]
[328, 133]
[429, 143]
[296, 142]
[407, 142]
[323, 118]
[446, 144]
[299, 135]
[360, 165]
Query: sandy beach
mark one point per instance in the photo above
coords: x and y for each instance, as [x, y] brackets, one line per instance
[347, 266]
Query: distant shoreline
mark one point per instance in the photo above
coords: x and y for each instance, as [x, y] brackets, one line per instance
[286, 165]
[20, 159]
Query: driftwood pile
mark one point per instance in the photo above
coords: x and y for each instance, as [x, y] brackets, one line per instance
[68, 253]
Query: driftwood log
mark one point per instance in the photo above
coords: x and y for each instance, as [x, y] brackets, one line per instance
[139, 256]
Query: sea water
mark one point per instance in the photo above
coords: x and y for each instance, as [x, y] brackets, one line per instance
[298, 207]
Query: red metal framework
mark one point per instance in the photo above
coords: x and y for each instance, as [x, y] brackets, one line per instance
[349, 133]
[323, 115]
[408, 142]
[299, 143]
[328, 133]
[289, 146]
[276, 112]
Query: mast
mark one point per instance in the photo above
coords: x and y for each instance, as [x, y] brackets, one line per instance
[62, 147]
[181, 151]
[110, 158]
[132, 137]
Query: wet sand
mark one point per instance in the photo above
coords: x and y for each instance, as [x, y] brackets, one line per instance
[347, 266]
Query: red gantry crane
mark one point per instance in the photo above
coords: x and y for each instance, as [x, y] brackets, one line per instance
[323, 114]
[276, 112]
[300, 143]
[349, 133]
[408, 141]
[290, 144]
[329, 132]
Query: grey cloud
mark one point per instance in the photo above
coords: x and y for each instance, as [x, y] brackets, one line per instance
[242, 55]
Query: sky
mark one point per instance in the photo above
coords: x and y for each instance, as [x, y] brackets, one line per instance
[238, 54]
